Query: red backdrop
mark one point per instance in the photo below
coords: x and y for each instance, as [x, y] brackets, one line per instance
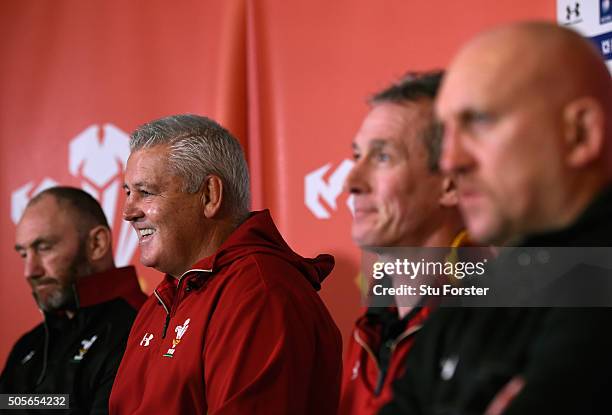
[290, 79]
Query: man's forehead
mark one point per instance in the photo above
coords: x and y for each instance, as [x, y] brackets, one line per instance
[147, 165]
[485, 72]
[389, 124]
[42, 219]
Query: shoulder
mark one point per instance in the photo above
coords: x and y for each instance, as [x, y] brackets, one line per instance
[268, 274]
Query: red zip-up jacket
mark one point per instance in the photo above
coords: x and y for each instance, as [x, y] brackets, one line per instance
[243, 332]
[366, 387]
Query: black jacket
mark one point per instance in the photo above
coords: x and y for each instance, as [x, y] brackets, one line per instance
[464, 356]
[78, 356]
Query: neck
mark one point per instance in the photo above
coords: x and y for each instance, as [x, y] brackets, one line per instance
[562, 211]
[209, 243]
[442, 237]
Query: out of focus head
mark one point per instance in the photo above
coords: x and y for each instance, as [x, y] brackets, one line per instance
[63, 235]
[526, 112]
[400, 197]
[187, 187]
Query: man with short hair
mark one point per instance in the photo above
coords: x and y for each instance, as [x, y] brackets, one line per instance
[401, 200]
[236, 326]
[530, 148]
[88, 305]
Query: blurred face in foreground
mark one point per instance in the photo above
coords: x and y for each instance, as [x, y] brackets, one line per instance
[506, 136]
[54, 255]
[396, 195]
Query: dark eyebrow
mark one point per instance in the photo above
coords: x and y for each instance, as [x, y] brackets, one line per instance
[379, 143]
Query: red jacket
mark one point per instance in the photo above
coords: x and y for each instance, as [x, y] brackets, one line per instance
[365, 387]
[361, 391]
[243, 332]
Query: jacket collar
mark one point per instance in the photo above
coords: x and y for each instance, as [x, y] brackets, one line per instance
[592, 228]
[257, 234]
[108, 285]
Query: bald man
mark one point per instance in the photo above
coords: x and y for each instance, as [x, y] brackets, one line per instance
[528, 140]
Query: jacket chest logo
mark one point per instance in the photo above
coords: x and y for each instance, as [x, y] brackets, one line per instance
[355, 371]
[85, 346]
[448, 367]
[28, 357]
[180, 332]
[146, 339]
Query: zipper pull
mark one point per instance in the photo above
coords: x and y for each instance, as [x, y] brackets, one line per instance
[166, 325]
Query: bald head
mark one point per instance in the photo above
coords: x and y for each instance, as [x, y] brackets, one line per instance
[527, 110]
[555, 61]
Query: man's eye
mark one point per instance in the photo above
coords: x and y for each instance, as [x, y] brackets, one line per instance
[383, 157]
[144, 192]
[43, 247]
[477, 118]
[481, 117]
[356, 156]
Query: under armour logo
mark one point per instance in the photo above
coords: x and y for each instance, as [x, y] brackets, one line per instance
[355, 370]
[448, 367]
[575, 11]
[146, 339]
[27, 357]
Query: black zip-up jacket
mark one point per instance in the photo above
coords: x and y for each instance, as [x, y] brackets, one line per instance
[78, 356]
[465, 356]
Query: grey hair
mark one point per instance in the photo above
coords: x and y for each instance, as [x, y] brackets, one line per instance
[199, 146]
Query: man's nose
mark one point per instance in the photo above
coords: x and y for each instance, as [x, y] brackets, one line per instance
[356, 182]
[131, 211]
[33, 266]
[454, 158]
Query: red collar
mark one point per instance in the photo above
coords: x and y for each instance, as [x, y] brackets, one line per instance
[108, 285]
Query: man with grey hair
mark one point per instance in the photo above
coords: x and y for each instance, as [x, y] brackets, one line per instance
[236, 326]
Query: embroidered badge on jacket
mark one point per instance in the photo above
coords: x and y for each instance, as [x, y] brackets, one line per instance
[180, 331]
[85, 346]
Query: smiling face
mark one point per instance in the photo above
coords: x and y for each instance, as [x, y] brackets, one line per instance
[170, 223]
[396, 195]
[53, 254]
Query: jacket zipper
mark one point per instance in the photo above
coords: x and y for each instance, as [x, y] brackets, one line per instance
[45, 351]
[167, 314]
[178, 292]
[380, 379]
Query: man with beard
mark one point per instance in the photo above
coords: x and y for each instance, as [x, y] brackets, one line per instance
[528, 137]
[88, 304]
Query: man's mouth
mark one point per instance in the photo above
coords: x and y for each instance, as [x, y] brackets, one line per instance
[145, 233]
[362, 213]
[39, 284]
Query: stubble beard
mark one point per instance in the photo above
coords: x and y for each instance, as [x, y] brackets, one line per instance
[64, 296]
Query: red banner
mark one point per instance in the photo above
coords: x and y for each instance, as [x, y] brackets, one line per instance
[290, 79]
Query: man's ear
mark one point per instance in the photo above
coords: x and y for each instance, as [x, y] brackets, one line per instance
[99, 243]
[212, 196]
[584, 131]
[449, 196]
